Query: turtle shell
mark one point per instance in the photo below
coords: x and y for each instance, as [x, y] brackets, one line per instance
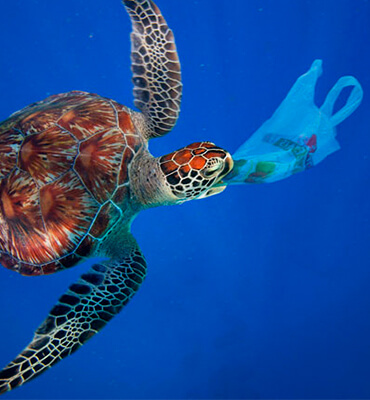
[63, 179]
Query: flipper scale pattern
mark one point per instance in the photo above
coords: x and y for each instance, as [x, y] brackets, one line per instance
[155, 67]
[80, 313]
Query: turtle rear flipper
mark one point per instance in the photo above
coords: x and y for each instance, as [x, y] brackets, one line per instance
[155, 67]
[81, 312]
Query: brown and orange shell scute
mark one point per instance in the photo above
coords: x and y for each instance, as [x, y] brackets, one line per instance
[63, 177]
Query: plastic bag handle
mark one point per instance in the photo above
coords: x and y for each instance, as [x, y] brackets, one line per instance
[352, 103]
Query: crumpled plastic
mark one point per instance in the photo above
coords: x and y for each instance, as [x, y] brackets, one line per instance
[298, 136]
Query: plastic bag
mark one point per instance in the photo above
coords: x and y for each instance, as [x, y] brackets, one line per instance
[298, 136]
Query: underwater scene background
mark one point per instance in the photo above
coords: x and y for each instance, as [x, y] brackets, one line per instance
[259, 292]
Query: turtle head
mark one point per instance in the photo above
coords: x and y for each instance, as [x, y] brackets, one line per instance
[196, 171]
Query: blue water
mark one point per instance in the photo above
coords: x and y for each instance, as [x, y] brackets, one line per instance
[260, 292]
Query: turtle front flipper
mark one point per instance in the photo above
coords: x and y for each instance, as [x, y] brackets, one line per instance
[80, 313]
[155, 67]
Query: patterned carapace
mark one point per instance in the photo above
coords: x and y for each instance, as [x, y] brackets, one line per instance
[192, 169]
[63, 175]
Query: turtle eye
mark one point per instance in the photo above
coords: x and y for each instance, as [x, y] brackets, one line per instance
[212, 169]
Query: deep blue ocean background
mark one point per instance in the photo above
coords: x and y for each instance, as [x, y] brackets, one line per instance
[260, 292]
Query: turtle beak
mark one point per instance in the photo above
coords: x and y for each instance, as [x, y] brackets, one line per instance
[212, 191]
[220, 186]
[229, 164]
[228, 167]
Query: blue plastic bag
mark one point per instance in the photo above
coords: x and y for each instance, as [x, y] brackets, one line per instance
[298, 136]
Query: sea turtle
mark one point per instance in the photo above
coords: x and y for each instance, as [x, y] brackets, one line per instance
[74, 172]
